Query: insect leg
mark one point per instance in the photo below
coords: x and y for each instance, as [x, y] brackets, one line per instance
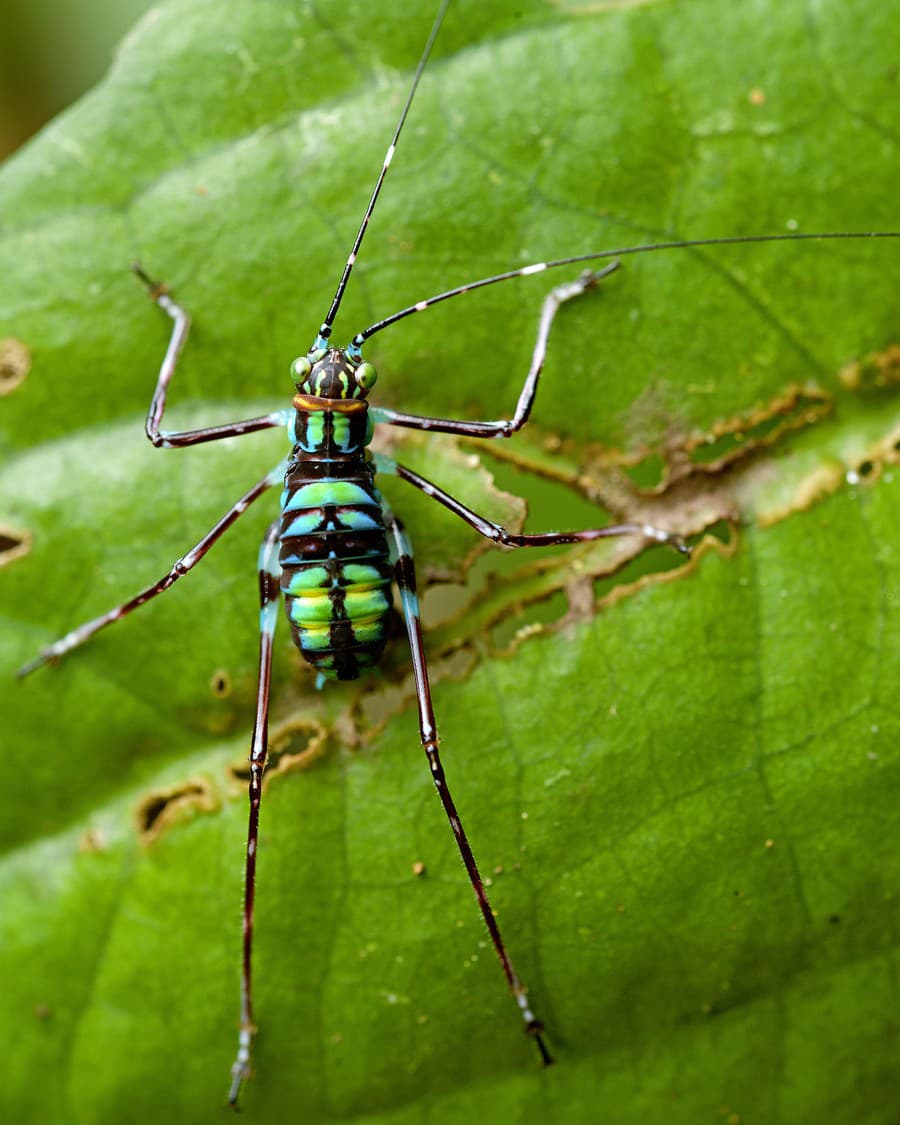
[165, 439]
[269, 594]
[187, 562]
[504, 538]
[404, 571]
[506, 427]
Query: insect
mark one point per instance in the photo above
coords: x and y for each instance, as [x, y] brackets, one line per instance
[335, 548]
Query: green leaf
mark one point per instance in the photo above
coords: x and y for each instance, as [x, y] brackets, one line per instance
[681, 778]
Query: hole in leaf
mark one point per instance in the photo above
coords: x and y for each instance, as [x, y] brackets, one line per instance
[220, 684]
[294, 744]
[723, 530]
[649, 473]
[652, 562]
[866, 472]
[15, 363]
[13, 544]
[522, 620]
[731, 439]
[162, 808]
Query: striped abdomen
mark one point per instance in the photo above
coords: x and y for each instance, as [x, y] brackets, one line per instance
[336, 577]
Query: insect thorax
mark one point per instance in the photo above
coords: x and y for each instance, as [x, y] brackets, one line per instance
[329, 429]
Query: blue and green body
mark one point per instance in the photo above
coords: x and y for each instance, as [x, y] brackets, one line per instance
[335, 570]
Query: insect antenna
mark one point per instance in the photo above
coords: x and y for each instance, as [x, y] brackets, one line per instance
[621, 252]
[325, 328]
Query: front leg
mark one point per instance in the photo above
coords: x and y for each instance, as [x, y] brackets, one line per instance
[170, 439]
[505, 427]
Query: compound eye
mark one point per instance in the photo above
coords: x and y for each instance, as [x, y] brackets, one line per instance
[365, 376]
[300, 369]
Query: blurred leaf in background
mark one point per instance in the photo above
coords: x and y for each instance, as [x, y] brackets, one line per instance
[51, 52]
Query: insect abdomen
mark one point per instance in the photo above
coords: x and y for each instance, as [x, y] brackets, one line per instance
[336, 577]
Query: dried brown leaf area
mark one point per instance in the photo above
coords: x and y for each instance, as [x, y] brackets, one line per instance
[778, 458]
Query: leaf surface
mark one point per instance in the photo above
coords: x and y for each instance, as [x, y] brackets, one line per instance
[681, 779]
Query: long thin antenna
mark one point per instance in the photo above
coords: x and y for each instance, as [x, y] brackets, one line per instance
[325, 329]
[539, 267]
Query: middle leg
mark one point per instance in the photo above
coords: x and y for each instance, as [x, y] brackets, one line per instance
[171, 439]
[498, 534]
[182, 566]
